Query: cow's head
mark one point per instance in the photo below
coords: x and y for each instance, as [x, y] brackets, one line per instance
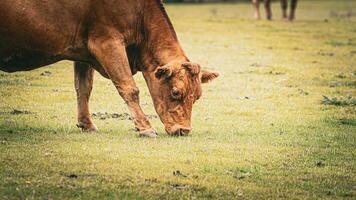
[174, 89]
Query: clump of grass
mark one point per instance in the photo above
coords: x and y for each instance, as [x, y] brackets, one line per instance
[345, 121]
[342, 101]
[339, 43]
[343, 84]
[240, 173]
[10, 82]
[341, 121]
[341, 76]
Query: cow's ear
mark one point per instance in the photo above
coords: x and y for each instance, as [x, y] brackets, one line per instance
[193, 68]
[207, 76]
[163, 71]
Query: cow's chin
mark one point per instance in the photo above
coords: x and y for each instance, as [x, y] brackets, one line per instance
[169, 118]
[176, 128]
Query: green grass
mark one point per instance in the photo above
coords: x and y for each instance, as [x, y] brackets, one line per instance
[261, 131]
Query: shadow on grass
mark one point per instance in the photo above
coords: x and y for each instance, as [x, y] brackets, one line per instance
[70, 191]
[106, 187]
[23, 132]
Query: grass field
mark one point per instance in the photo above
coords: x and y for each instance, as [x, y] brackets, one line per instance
[279, 123]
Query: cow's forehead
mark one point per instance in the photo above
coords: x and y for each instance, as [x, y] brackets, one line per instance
[181, 77]
[186, 83]
[181, 74]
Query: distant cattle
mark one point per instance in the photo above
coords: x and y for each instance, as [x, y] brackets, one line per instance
[284, 5]
[117, 38]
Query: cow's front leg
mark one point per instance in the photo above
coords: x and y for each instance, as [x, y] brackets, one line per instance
[111, 54]
[83, 80]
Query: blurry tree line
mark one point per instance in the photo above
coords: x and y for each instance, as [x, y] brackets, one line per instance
[201, 1]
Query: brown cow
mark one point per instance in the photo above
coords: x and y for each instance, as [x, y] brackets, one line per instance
[117, 38]
[284, 5]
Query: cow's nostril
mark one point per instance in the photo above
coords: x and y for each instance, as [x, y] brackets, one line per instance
[179, 131]
[183, 131]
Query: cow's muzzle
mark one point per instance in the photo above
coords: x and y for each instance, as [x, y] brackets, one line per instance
[178, 130]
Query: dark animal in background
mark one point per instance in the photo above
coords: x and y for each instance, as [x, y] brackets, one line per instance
[117, 38]
[284, 5]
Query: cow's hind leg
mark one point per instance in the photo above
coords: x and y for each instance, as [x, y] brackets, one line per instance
[111, 53]
[83, 75]
[268, 9]
[293, 6]
[284, 6]
[256, 5]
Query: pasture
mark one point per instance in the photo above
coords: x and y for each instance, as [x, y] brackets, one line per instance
[279, 123]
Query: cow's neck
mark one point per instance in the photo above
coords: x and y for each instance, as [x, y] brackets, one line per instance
[161, 45]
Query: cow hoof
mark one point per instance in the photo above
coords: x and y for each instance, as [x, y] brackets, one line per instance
[150, 133]
[87, 127]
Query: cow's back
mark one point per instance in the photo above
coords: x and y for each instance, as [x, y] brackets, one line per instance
[35, 33]
[38, 32]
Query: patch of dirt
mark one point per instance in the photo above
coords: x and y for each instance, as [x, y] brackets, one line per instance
[179, 173]
[46, 73]
[247, 98]
[342, 84]
[19, 112]
[106, 115]
[341, 76]
[3, 141]
[342, 14]
[329, 54]
[276, 73]
[258, 65]
[297, 49]
[76, 176]
[241, 174]
[151, 180]
[320, 163]
[303, 92]
[72, 176]
[179, 186]
[119, 116]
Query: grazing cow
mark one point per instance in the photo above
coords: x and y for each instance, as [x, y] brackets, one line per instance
[117, 38]
[284, 5]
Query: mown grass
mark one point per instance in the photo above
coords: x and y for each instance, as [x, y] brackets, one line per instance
[261, 131]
